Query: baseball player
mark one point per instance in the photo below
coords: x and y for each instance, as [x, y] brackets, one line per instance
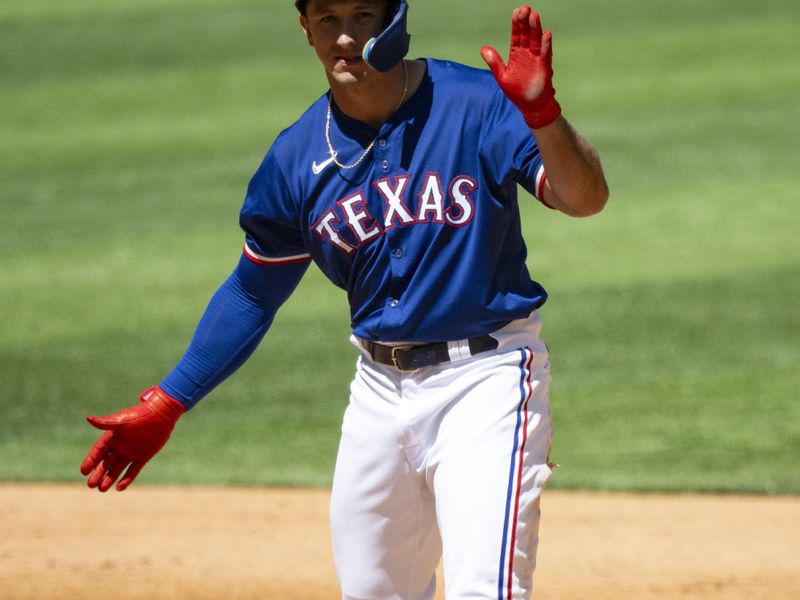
[400, 183]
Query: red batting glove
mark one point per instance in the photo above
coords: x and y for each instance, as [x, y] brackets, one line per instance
[527, 79]
[132, 437]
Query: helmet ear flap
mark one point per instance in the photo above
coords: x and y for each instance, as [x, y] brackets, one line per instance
[390, 47]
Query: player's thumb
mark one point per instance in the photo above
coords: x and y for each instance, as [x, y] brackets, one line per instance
[104, 423]
[115, 421]
[492, 58]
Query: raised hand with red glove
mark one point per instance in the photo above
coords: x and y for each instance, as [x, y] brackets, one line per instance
[132, 437]
[527, 79]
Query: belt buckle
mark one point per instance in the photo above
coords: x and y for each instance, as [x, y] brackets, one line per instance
[395, 361]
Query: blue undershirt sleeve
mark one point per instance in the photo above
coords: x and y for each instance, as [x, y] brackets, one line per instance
[236, 319]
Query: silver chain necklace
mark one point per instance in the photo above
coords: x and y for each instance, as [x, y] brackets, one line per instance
[372, 143]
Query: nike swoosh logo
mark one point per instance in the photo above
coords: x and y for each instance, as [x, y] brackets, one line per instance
[319, 168]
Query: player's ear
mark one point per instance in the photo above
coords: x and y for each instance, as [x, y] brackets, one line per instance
[306, 30]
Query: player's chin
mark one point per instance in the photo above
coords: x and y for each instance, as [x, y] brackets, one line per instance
[350, 76]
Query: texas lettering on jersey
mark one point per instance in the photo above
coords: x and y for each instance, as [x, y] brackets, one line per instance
[435, 203]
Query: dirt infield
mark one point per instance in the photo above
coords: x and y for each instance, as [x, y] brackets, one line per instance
[68, 542]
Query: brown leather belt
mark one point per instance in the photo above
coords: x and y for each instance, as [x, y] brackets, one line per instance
[409, 358]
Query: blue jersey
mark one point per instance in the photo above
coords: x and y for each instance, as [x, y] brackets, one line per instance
[424, 235]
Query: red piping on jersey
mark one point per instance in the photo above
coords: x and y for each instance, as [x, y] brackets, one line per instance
[274, 262]
[540, 191]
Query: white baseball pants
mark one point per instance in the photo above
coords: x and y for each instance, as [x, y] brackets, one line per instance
[446, 461]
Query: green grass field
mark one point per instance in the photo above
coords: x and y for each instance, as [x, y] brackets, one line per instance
[129, 130]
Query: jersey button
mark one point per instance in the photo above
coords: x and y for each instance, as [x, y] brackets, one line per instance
[398, 253]
[394, 303]
[381, 143]
[385, 164]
